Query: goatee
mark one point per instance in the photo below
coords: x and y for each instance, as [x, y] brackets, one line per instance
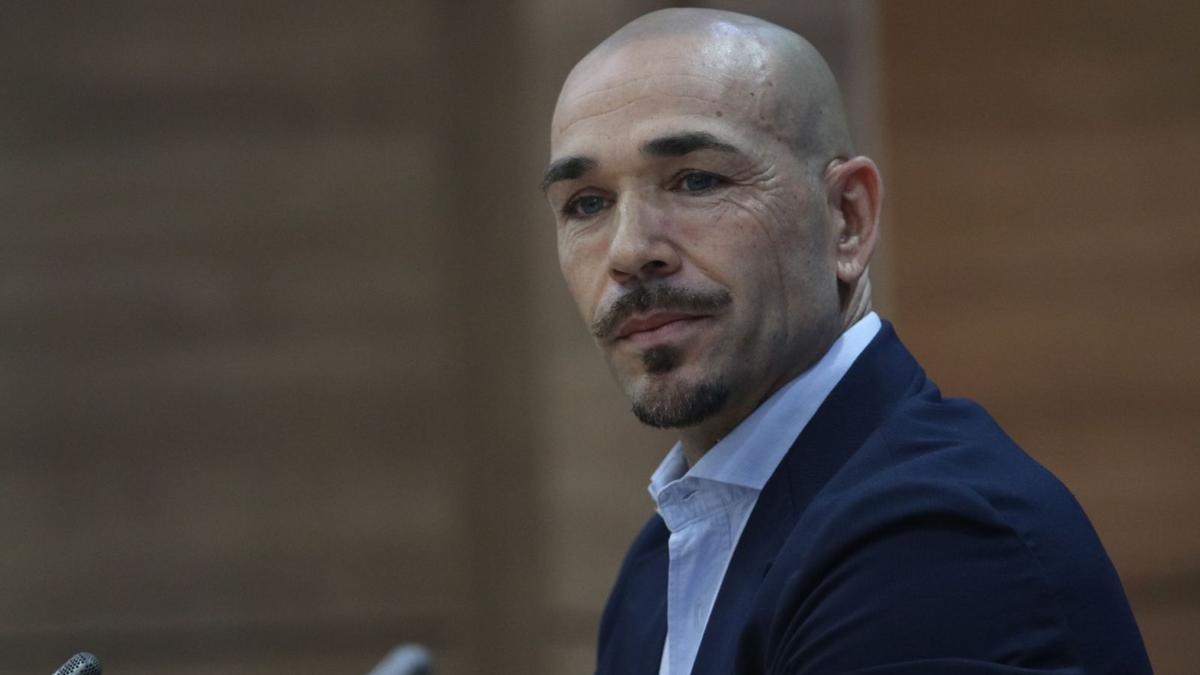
[683, 406]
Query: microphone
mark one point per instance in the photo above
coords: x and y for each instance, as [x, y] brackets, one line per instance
[83, 663]
[404, 660]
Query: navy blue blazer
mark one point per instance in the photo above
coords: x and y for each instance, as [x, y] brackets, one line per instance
[903, 533]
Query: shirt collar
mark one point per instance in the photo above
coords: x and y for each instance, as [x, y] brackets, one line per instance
[752, 451]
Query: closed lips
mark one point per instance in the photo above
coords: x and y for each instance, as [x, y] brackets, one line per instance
[643, 324]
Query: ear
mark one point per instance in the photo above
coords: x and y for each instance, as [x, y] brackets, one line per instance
[854, 190]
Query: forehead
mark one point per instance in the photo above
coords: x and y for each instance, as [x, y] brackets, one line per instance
[655, 85]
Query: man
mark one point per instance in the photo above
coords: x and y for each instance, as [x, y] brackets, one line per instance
[825, 510]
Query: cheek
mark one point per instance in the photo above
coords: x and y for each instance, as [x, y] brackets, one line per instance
[736, 237]
[774, 251]
[583, 270]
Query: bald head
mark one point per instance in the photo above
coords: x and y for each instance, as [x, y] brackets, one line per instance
[776, 78]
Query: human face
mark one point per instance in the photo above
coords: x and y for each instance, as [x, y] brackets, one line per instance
[693, 237]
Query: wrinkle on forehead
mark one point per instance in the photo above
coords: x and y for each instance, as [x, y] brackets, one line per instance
[636, 80]
[698, 100]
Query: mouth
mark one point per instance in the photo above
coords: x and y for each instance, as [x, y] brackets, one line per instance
[656, 327]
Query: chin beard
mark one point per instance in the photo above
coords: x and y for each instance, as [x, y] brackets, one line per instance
[679, 405]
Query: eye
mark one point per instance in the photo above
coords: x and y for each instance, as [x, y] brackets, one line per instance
[585, 206]
[699, 181]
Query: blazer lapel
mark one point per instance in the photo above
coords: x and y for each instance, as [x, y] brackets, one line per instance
[879, 378]
[634, 625]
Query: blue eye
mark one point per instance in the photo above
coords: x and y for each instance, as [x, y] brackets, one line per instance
[587, 205]
[699, 182]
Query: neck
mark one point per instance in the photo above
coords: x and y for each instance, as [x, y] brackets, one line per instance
[698, 440]
[857, 304]
[693, 449]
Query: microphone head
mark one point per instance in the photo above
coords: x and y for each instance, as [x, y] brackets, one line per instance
[83, 663]
[405, 660]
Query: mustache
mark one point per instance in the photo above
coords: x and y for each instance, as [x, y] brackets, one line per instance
[643, 299]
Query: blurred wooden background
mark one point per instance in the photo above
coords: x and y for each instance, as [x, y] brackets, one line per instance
[287, 374]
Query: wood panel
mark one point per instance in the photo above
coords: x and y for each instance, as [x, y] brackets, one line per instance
[221, 423]
[1046, 259]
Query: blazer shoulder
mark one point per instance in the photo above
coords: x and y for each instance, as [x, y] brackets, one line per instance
[940, 538]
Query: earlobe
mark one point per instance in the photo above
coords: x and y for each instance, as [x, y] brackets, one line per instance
[855, 192]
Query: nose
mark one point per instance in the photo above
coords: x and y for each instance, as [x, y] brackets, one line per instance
[641, 248]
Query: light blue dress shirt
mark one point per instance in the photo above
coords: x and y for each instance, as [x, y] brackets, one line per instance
[707, 507]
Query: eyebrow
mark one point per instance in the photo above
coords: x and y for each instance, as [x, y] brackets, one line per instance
[567, 168]
[675, 145]
[678, 145]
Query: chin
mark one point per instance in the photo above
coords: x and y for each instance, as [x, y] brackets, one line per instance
[670, 402]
